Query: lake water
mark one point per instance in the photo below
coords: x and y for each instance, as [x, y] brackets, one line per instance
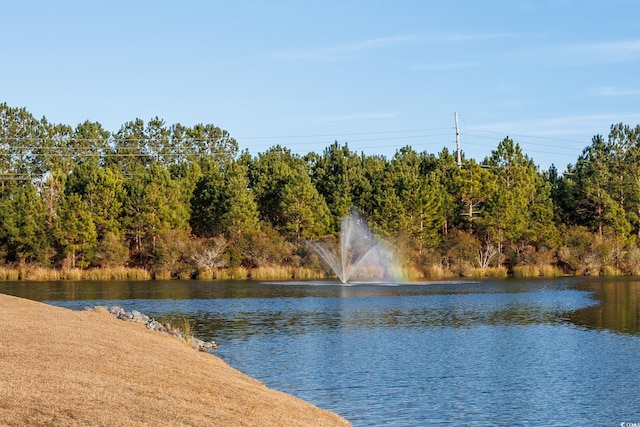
[487, 353]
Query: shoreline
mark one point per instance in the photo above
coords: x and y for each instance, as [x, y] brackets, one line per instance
[64, 367]
[36, 274]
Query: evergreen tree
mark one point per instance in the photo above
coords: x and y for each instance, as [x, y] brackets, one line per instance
[339, 177]
[24, 231]
[522, 202]
[102, 189]
[89, 143]
[75, 231]
[152, 206]
[419, 191]
[304, 211]
[240, 212]
[20, 136]
[625, 143]
[375, 170]
[208, 204]
[157, 144]
[223, 204]
[286, 197]
[54, 151]
[474, 186]
[130, 147]
[211, 142]
[448, 171]
[596, 205]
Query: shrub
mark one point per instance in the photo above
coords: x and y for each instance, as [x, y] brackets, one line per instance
[111, 251]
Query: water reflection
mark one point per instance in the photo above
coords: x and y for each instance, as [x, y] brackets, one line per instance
[618, 307]
[599, 303]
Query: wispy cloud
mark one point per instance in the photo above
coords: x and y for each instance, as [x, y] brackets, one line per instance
[530, 5]
[332, 53]
[465, 37]
[346, 50]
[618, 51]
[572, 127]
[354, 117]
[615, 91]
[445, 66]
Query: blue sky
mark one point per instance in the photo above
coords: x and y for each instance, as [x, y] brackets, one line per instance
[377, 75]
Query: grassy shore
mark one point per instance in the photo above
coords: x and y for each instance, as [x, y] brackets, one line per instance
[408, 273]
[33, 273]
[60, 367]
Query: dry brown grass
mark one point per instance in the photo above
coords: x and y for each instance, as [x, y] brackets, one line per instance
[283, 273]
[116, 273]
[544, 270]
[433, 271]
[36, 273]
[66, 368]
[9, 273]
[485, 272]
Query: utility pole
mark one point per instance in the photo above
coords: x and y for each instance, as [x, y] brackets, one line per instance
[458, 140]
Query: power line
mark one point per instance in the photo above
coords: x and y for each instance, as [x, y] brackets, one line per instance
[334, 135]
[524, 136]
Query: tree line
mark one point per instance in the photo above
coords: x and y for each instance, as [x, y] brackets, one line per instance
[185, 201]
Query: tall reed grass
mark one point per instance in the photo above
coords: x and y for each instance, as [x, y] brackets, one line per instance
[40, 274]
[7, 274]
[283, 273]
[116, 273]
[235, 273]
[610, 270]
[33, 273]
[545, 270]
[433, 271]
[162, 274]
[487, 272]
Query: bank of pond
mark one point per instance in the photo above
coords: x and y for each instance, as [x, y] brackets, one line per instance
[38, 273]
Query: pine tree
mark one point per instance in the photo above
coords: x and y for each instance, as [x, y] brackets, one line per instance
[75, 231]
[24, 231]
[338, 174]
[152, 206]
[286, 197]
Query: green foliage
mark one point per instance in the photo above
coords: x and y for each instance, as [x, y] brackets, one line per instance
[75, 231]
[603, 185]
[419, 193]
[338, 174]
[520, 210]
[475, 186]
[102, 189]
[223, 204]
[286, 197]
[240, 211]
[112, 251]
[459, 250]
[149, 194]
[152, 206]
[208, 204]
[24, 231]
[170, 251]
[259, 249]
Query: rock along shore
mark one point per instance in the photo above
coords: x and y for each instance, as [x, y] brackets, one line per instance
[164, 328]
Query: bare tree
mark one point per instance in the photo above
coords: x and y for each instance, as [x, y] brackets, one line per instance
[209, 256]
[486, 255]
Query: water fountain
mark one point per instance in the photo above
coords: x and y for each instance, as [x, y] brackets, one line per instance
[360, 253]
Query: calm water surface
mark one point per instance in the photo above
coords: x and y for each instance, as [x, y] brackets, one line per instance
[507, 352]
